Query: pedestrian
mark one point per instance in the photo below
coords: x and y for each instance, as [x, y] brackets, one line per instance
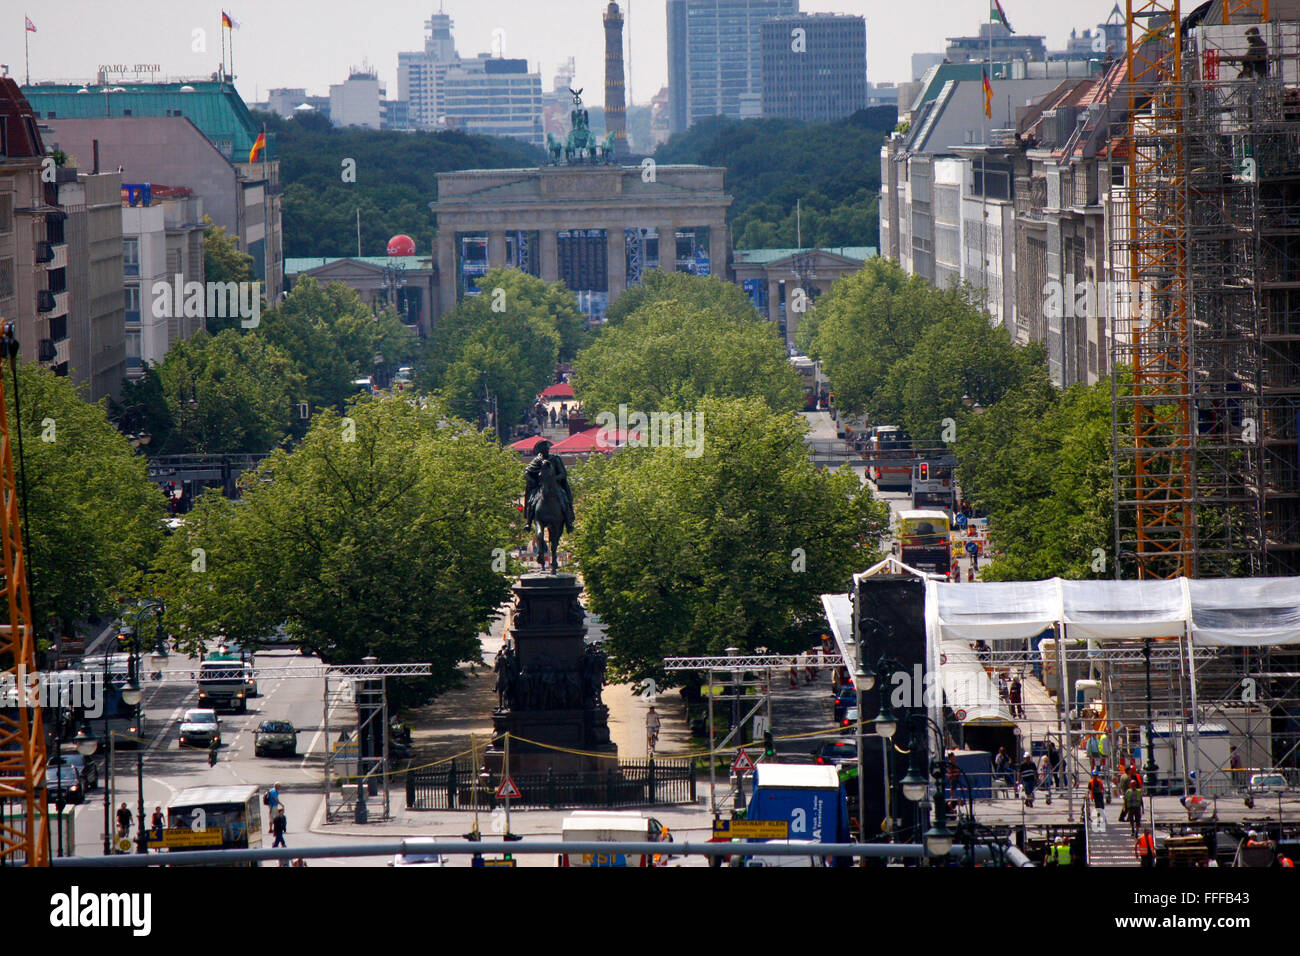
[1014, 697]
[1028, 778]
[1094, 752]
[1058, 854]
[1133, 806]
[279, 823]
[1045, 777]
[1097, 790]
[1002, 765]
[1234, 765]
[157, 822]
[1145, 849]
[1054, 756]
[1194, 804]
[124, 819]
[272, 801]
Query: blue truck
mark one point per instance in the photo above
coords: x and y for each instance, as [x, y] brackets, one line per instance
[809, 797]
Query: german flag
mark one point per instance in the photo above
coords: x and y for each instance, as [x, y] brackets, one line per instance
[988, 96]
[260, 145]
[226, 22]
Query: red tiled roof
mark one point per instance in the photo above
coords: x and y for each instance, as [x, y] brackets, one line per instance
[563, 390]
[593, 439]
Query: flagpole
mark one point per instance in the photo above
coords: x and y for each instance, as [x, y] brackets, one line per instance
[223, 49]
[232, 50]
[27, 56]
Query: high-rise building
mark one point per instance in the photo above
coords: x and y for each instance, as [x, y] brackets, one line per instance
[814, 66]
[358, 101]
[715, 62]
[995, 42]
[488, 94]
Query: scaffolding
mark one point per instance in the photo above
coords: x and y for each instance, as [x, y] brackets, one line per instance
[1206, 464]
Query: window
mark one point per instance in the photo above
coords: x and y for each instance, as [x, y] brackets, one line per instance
[6, 212]
[7, 288]
[131, 256]
[132, 301]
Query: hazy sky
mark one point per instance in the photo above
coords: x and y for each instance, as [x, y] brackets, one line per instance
[296, 43]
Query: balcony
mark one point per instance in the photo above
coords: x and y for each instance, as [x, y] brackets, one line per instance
[52, 302]
[44, 252]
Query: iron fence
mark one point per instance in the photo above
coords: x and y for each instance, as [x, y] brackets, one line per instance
[456, 786]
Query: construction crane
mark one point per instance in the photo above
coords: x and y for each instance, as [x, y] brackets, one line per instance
[22, 737]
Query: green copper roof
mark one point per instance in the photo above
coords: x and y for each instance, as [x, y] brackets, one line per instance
[294, 266]
[764, 256]
[212, 105]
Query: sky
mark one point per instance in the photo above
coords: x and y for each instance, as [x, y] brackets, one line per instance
[295, 43]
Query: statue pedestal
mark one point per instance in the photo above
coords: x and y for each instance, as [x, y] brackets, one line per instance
[552, 704]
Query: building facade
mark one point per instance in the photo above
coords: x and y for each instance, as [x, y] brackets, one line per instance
[197, 134]
[405, 283]
[358, 101]
[814, 66]
[594, 228]
[784, 283]
[96, 340]
[715, 57]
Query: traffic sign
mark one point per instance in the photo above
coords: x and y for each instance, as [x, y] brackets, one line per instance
[742, 763]
[508, 790]
[960, 714]
[752, 829]
[509, 862]
[972, 548]
[960, 520]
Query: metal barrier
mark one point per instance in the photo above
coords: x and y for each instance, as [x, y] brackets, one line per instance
[1010, 855]
[456, 786]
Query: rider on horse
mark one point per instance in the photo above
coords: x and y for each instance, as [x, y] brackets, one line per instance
[535, 502]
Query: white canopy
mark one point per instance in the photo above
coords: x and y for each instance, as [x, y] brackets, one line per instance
[1219, 611]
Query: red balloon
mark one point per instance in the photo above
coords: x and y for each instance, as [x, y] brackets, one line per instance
[401, 245]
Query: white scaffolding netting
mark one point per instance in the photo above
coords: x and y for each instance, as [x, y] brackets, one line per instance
[1218, 612]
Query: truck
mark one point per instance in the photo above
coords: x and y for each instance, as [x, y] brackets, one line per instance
[611, 826]
[223, 685]
[809, 797]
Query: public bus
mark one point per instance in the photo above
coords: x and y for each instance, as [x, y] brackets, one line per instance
[932, 484]
[924, 540]
[896, 476]
[212, 818]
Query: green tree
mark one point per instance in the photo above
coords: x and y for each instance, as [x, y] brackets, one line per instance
[505, 295]
[228, 393]
[93, 518]
[223, 262]
[696, 292]
[1039, 463]
[869, 320]
[143, 408]
[691, 555]
[509, 359]
[385, 544]
[963, 361]
[668, 355]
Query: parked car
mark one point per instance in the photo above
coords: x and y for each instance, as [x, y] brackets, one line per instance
[846, 698]
[850, 717]
[199, 728]
[86, 769]
[63, 784]
[278, 736]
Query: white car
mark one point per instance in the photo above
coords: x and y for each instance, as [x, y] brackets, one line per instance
[199, 727]
[1271, 782]
[416, 852]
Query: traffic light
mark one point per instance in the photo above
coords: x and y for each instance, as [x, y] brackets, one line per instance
[925, 471]
[769, 747]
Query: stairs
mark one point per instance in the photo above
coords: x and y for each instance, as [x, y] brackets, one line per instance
[1114, 847]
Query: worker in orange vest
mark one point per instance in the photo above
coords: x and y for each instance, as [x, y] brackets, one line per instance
[1145, 849]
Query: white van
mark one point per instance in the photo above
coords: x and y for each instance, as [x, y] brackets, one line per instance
[611, 826]
[782, 860]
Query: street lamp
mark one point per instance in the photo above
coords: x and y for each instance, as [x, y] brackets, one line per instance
[1150, 767]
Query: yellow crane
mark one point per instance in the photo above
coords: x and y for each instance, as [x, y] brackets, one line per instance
[23, 835]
